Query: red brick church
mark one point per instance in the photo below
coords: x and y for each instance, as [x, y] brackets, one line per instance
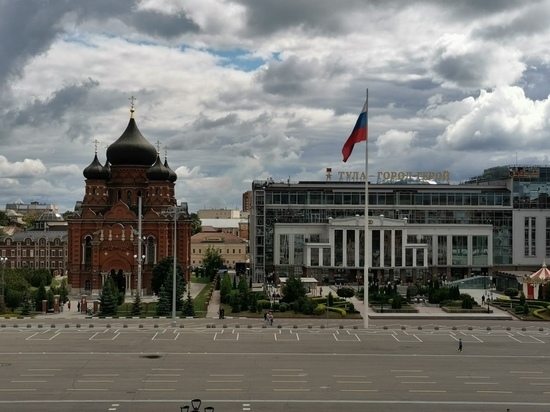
[103, 234]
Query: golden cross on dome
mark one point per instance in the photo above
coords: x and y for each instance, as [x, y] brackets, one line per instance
[158, 146]
[95, 145]
[165, 152]
[132, 100]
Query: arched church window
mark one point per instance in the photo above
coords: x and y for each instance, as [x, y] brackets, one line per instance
[88, 250]
[129, 197]
[150, 257]
[157, 191]
[139, 193]
[119, 195]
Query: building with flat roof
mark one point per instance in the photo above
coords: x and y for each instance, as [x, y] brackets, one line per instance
[420, 225]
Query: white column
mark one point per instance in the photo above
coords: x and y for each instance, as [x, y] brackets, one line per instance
[344, 248]
[357, 247]
[382, 247]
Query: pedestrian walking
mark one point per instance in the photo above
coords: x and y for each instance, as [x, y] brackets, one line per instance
[78, 307]
[270, 318]
[460, 345]
[69, 305]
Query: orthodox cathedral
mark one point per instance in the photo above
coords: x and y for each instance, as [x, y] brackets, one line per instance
[128, 219]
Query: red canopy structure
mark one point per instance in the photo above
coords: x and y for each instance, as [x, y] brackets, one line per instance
[532, 283]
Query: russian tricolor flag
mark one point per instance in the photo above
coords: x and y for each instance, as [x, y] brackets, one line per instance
[359, 134]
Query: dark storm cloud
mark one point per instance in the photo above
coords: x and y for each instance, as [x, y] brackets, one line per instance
[290, 77]
[474, 9]
[32, 25]
[53, 109]
[533, 21]
[204, 123]
[467, 70]
[268, 17]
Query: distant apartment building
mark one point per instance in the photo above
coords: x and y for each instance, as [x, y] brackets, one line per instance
[42, 247]
[219, 214]
[31, 208]
[232, 248]
[247, 201]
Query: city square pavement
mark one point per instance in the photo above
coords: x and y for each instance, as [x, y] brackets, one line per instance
[71, 362]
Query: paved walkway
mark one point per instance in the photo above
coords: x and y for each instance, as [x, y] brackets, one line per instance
[424, 311]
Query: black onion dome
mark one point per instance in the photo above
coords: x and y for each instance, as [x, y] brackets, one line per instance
[96, 170]
[172, 177]
[131, 149]
[158, 171]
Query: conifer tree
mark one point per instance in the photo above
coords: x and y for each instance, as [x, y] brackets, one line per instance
[108, 301]
[136, 307]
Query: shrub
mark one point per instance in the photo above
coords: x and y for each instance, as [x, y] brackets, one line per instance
[397, 302]
[320, 310]
[263, 304]
[283, 307]
[511, 292]
[526, 308]
[276, 306]
[518, 309]
[341, 311]
[522, 298]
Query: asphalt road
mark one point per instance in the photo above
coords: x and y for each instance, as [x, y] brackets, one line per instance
[138, 365]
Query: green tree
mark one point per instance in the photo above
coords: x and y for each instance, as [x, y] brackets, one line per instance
[212, 261]
[346, 292]
[167, 288]
[136, 306]
[225, 289]
[3, 307]
[50, 298]
[63, 291]
[162, 270]
[188, 306]
[30, 219]
[40, 295]
[4, 219]
[15, 288]
[196, 225]
[108, 300]
[522, 298]
[293, 289]
[164, 304]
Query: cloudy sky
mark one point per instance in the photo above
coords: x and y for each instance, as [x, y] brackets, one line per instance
[239, 90]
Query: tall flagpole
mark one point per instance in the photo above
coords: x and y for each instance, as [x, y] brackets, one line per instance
[367, 237]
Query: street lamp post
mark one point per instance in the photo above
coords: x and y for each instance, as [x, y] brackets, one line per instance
[175, 212]
[196, 405]
[3, 261]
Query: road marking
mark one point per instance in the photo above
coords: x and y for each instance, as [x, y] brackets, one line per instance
[167, 369]
[494, 392]
[475, 337]
[101, 374]
[94, 381]
[471, 377]
[159, 381]
[75, 389]
[43, 369]
[524, 372]
[533, 377]
[290, 390]
[16, 390]
[539, 383]
[349, 376]
[162, 374]
[287, 370]
[224, 381]
[412, 376]
[406, 370]
[481, 383]
[38, 375]
[156, 389]
[29, 381]
[425, 391]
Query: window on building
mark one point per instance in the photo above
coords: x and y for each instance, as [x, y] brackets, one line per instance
[530, 240]
[548, 236]
[88, 250]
